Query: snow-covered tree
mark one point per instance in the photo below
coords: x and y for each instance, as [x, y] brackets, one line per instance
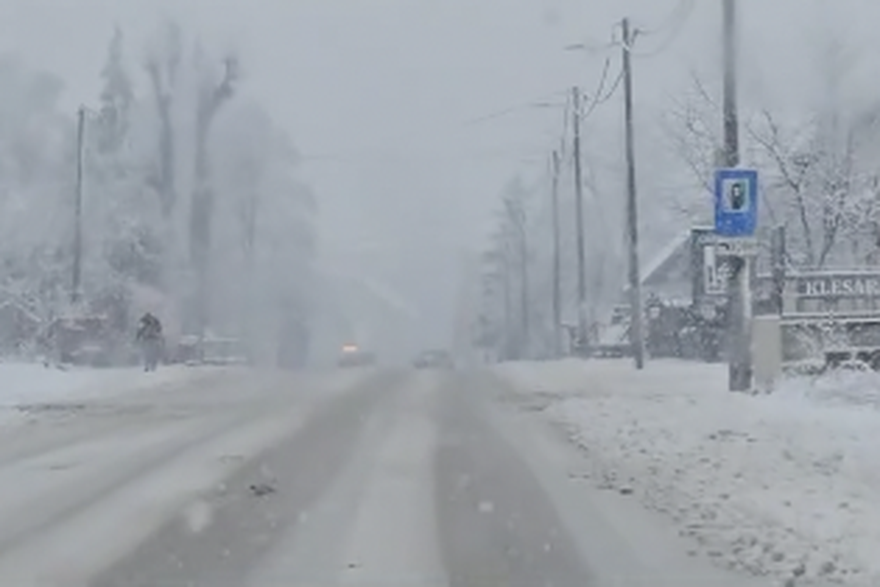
[36, 188]
[149, 191]
[212, 93]
[266, 217]
[163, 68]
[116, 99]
[507, 323]
[819, 176]
[122, 215]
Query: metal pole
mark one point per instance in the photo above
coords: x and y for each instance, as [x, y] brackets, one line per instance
[636, 330]
[557, 263]
[77, 227]
[508, 305]
[579, 217]
[739, 315]
[524, 270]
[731, 121]
[516, 218]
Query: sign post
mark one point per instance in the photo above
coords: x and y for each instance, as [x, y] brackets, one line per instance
[736, 218]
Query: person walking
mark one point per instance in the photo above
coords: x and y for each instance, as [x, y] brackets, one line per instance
[149, 335]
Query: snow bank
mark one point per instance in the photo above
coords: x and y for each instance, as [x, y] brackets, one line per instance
[26, 384]
[783, 485]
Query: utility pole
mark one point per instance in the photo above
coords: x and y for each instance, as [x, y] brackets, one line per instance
[77, 208]
[516, 216]
[731, 119]
[579, 219]
[524, 285]
[636, 329]
[739, 316]
[508, 305]
[557, 267]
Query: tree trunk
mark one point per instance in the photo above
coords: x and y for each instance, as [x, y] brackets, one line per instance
[202, 206]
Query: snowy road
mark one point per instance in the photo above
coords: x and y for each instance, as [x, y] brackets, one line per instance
[370, 479]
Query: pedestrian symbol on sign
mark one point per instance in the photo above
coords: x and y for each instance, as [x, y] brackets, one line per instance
[735, 200]
[737, 196]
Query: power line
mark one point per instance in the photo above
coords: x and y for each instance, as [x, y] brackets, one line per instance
[521, 106]
[602, 79]
[594, 48]
[356, 156]
[675, 19]
[598, 98]
[675, 22]
[613, 89]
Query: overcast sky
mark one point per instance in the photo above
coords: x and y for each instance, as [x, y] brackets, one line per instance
[377, 93]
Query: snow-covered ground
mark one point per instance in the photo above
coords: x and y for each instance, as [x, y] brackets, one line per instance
[24, 384]
[784, 485]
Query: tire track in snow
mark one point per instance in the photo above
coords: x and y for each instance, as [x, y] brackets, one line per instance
[37, 515]
[233, 532]
[61, 501]
[69, 420]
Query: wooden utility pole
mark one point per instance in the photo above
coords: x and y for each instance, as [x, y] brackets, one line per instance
[508, 302]
[77, 207]
[525, 286]
[636, 329]
[557, 263]
[739, 315]
[579, 220]
[516, 221]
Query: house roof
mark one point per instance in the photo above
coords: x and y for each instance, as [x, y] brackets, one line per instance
[666, 257]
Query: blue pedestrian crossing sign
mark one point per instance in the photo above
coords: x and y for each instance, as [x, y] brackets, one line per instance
[736, 202]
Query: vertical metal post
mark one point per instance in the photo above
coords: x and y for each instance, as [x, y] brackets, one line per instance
[731, 117]
[739, 316]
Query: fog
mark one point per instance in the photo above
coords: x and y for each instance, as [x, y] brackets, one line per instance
[392, 128]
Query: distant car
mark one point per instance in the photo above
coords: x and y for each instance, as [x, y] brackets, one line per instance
[435, 359]
[353, 356]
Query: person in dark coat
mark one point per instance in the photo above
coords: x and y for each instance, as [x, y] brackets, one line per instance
[149, 335]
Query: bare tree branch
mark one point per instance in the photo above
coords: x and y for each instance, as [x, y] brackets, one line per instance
[794, 180]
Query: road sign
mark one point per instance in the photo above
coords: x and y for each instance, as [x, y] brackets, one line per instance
[714, 274]
[736, 202]
[736, 247]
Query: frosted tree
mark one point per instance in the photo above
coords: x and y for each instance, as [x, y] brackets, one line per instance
[163, 68]
[824, 181]
[494, 318]
[124, 231]
[36, 187]
[212, 93]
[266, 234]
[116, 99]
[142, 152]
[506, 276]
[819, 176]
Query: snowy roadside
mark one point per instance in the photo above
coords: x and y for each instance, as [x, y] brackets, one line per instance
[782, 486]
[23, 384]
